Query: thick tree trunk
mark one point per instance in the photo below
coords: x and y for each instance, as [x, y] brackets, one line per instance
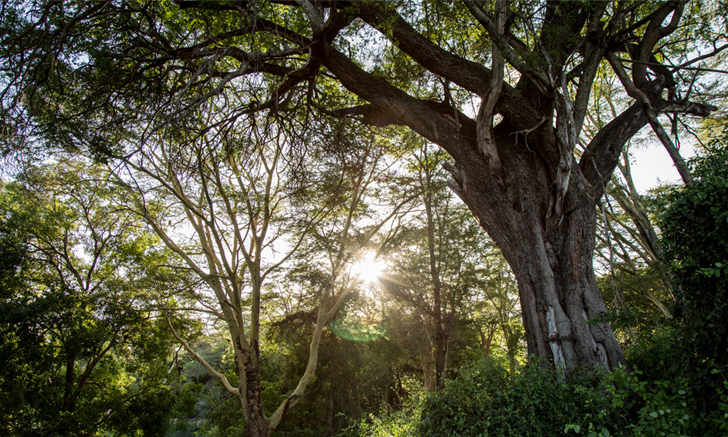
[552, 260]
[560, 300]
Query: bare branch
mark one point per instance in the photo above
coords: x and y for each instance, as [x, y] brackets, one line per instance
[232, 390]
[484, 126]
[647, 108]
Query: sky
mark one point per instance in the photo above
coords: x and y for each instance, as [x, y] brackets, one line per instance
[652, 166]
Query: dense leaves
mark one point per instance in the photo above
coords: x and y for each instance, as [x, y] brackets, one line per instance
[695, 236]
[485, 400]
[80, 351]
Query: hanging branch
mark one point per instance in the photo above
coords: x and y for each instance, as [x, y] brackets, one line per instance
[651, 115]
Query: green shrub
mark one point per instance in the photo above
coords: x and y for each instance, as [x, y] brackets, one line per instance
[650, 408]
[392, 423]
[486, 400]
[695, 239]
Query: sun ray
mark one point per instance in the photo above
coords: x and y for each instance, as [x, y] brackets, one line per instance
[369, 268]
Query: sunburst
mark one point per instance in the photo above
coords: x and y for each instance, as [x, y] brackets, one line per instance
[369, 268]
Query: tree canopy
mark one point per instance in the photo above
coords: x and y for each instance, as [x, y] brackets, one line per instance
[76, 323]
[262, 142]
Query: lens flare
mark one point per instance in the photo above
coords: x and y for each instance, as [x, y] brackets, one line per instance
[355, 330]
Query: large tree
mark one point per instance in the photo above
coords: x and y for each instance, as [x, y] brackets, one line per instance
[95, 72]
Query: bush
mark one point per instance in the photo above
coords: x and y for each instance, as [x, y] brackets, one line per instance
[485, 400]
[695, 239]
[666, 386]
[390, 422]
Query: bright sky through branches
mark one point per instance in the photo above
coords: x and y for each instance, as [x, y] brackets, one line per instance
[368, 268]
[652, 166]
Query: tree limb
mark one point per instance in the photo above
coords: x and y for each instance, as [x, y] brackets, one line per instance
[649, 112]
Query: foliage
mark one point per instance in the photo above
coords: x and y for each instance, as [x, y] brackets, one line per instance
[169, 93]
[395, 422]
[695, 237]
[650, 408]
[437, 274]
[206, 408]
[401, 423]
[485, 401]
[357, 374]
[79, 352]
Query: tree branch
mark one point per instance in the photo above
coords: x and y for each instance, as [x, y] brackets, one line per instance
[484, 126]
[470, 75]
[649, 112]
[205, 364]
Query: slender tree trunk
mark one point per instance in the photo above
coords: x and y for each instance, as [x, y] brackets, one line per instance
[441, 335]
[256, 424]
[69, 400]
[486, 341]
[441, 343]
[510, 347]
[427, 373]
[330, 410]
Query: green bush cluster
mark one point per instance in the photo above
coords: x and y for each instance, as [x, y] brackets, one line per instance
[669, 381]
[694, 227]
[485, 400]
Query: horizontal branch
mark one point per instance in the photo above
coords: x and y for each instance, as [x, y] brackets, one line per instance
[467, 74]
[674, 69]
